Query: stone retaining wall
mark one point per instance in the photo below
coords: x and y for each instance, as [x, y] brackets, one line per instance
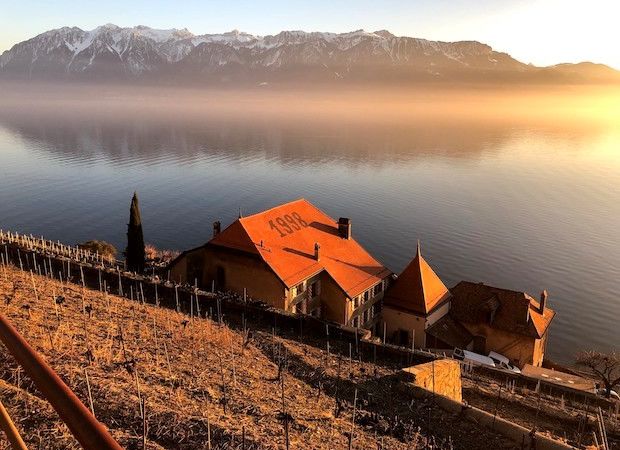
[443, 377]
[523, 438]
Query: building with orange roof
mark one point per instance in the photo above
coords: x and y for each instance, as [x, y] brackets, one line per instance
[294, 257]
[508, 322]
[419, 309]
[413, 302]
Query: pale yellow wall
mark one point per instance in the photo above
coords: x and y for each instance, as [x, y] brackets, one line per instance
[294, 297]
[336, 305]
[333, 300]
[178, 272]
[258, 279]
[396, 320]
[359, 312]
[240, 272]
[540, 346]
[247, 272]
[519, 349]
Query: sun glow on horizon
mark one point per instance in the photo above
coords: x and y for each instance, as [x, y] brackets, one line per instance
[545, 32]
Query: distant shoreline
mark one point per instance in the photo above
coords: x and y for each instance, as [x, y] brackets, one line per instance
[573, 103]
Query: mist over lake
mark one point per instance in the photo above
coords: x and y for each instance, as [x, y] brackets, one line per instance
[529, 202]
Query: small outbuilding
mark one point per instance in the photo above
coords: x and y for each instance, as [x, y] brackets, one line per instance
[413, 302]
[508, 322]
[418, 309]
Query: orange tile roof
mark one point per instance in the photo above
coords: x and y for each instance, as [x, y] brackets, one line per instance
[514, 311]
[284, 237]
[235, 236]
[417, 289]
[541, 321]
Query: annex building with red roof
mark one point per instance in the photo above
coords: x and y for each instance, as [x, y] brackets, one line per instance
[505, 321]
[418, 309]
[294, 257]
[413, 302]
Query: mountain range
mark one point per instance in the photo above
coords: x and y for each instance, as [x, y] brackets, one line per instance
[110, 52]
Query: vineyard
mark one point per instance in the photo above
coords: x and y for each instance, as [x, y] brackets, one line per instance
[161, 379]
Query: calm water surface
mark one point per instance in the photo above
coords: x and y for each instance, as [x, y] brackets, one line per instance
[526, 207]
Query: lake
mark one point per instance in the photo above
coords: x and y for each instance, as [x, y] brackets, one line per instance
[522, 203]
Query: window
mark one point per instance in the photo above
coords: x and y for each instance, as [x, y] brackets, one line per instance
[356, 302]
[299, 308]
[376, 308]
[366, 295]
[299, 288]
[379, 288]
[403, 337]
[356, 321]
[365, 316]
[315, 289]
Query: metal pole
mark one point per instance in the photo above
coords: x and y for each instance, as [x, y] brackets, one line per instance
[12, 434]
[89, 432]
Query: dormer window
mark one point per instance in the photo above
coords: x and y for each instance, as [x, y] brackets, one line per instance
[378, 288]
[488, 308]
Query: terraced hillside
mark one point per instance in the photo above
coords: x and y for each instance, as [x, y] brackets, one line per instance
[206, 384]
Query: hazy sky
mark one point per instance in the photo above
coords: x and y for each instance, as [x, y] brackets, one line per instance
[542, 32]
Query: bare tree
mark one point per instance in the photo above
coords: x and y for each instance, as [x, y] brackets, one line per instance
[604, 366]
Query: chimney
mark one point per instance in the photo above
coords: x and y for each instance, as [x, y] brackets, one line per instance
[217, 227]
[317, 249]
[344, 228]
[543, 301]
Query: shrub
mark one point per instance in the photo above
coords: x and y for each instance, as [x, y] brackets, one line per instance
[160, 256]
[105, 249]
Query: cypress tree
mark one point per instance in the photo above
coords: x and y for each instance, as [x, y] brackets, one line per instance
[134, 254]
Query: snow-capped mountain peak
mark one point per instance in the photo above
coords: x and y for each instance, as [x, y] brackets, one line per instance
[117, 52]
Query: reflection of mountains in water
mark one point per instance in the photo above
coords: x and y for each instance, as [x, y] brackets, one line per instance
[140, 139]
